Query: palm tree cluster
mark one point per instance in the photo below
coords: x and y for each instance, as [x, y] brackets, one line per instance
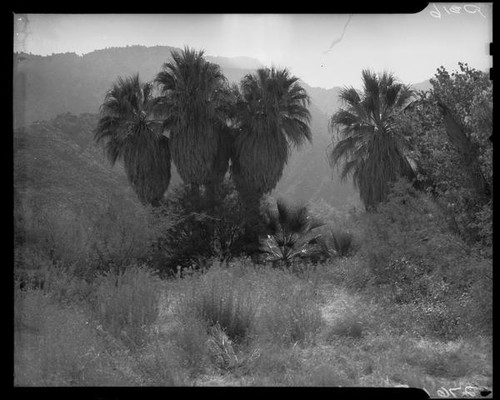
[374, 151]
[205, 126]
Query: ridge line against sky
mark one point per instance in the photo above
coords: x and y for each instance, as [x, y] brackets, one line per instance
[324, 50]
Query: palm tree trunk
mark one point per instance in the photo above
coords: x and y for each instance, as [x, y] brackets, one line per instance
[251, 214]
[212, 194]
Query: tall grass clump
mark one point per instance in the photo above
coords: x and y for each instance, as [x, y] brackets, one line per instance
[113, 235]
[126, 303]
[35, 271]
[337, 243]
[290, 313]
[158, 362]
[223, 297]
[347, 272]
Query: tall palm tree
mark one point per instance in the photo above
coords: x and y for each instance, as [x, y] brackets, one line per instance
[131, 135]
[373, 150]
[194, 101]
[272, 115]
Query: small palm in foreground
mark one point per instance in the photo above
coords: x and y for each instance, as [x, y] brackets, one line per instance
[131, 135]
[290, 233]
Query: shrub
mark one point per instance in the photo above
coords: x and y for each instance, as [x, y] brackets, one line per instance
[123, 237]
[225, 298]
[290, 313]
[352, 273]
[31, 266]
[323, 375]
[59, 281]
[453, 362]
[253, 301]
[275, 364]
[157, 365]
[347, 326]
[56, 346]
[87, 243]
[201, 229]
[337, 243]
[127, 303]
[406, 241]
[190, 339]
[65, 286]
[342, 243]
[478, 311]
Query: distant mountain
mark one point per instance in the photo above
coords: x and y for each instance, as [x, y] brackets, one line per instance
[327, 100]
[45, 86]
[425, 85]
[308, 177]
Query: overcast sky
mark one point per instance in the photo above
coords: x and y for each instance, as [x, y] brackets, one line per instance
[410, 45]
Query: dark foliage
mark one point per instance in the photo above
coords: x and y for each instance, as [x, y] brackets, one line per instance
[202, 230]
[449, 127]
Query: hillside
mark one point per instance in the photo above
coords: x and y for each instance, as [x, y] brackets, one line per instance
[308, 176]
[56, 164]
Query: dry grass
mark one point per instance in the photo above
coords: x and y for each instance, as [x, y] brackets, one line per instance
[127, 303]
[296, 332]
[56, 346]
[222, 297]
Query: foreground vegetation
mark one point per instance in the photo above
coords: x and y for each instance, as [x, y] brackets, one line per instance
[240, 325]
[367, 318]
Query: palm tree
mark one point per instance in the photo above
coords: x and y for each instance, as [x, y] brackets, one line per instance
[373, 150]
[289, 230]
[195, 101]
[271, 115]
[130, 134]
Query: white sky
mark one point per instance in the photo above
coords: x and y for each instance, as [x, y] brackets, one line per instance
[412, 46]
